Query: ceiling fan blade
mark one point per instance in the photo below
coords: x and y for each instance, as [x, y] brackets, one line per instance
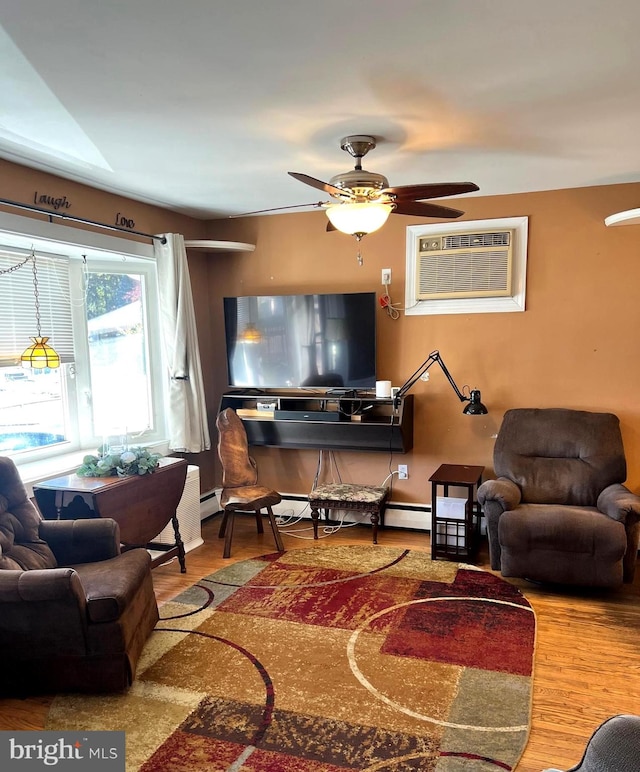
[432, 190]
[330, 189]
[417, 208]
[315, 204]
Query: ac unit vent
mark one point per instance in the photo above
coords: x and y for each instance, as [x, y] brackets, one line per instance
[467, 240]
[464, 265]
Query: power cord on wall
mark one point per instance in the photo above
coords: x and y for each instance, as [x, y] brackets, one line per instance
[389, 477]
[390, 308]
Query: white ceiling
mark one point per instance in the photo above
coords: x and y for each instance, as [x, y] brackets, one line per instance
[203, 106]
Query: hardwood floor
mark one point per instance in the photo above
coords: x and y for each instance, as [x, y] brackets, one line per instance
[587, 662]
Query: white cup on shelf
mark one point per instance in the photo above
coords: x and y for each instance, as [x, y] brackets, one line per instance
[383, 389]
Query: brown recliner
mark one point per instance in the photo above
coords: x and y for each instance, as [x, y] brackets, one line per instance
[559, 511]
[74, 611]
[240, 489]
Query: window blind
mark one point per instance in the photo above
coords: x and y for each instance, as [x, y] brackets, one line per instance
[18, 308]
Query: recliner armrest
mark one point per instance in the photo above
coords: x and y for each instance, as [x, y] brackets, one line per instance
[619, 503]
[502, 490]
[81, 541]
[37, 585]
[43, 615]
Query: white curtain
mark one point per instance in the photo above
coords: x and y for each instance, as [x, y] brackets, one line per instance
[188, 427]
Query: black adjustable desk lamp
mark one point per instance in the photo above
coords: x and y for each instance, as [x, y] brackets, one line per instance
[475, 406]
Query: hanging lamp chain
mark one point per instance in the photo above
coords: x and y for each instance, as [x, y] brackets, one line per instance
[36, 295]
[15, 267]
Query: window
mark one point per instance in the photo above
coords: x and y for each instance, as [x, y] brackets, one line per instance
[118, 352]
[99, 307]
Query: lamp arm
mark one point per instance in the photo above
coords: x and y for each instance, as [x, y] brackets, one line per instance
[433, 357]
[406, 386]
[461, 396]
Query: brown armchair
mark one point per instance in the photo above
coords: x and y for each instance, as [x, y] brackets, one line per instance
[559, 511]
[74, 611]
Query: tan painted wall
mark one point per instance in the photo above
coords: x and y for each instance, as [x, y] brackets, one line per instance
[574, 346]
[21, 183]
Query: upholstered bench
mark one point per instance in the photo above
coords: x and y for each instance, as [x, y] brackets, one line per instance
[358, 498]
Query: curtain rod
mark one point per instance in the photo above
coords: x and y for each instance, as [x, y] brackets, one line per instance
[40, 210]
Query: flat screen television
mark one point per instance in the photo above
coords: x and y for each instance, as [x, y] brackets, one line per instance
[322, 342]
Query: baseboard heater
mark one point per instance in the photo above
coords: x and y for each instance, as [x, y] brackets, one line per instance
[188, 513]
[306, 415]
[415, 517]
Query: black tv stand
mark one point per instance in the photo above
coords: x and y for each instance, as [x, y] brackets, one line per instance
[328, 421]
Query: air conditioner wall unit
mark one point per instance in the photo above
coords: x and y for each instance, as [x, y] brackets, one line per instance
[476, 264]
[188, 514]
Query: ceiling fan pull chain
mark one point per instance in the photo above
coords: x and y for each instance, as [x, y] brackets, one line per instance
[359, 257]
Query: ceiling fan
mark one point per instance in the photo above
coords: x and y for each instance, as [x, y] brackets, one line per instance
[364, 200]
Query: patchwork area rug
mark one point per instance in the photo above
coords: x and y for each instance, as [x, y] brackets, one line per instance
[361, 658]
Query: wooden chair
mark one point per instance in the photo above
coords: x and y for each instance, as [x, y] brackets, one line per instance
[240, 491]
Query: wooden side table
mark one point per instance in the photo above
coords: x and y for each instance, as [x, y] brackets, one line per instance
[141, 505]
[455, 534]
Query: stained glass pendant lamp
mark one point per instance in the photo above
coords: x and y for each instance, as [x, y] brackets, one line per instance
[39, 355]
[250, 334]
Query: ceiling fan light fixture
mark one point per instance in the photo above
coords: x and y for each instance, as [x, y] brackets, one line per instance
[358, 219]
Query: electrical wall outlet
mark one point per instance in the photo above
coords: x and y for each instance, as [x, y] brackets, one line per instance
[386, 276]
[403, 472]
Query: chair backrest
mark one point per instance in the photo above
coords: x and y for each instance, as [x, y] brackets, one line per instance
[615, 745]
[560, 456]
[233, 451]
[21, 547]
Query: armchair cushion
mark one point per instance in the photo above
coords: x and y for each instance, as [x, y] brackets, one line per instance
[20, 544]
[560, 456]
[81, 541]
[25, 556]
[563, 545]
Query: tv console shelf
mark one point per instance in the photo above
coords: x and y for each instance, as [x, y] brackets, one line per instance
[324, 421]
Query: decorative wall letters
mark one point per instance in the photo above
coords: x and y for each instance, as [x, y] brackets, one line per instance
[124, 222]
[60, 202]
